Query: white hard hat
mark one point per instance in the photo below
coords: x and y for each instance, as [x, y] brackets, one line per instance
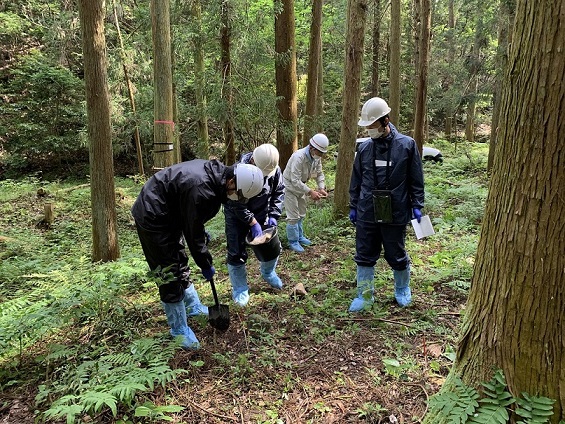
[320, 142]
[248, 180]
[266, 158]
[373, 109]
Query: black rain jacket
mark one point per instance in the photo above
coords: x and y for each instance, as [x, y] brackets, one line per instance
[183, 197]
[406, 177]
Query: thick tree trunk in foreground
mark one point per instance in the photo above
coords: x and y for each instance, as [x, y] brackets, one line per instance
[356, 17]
[516, 309]
[104, 222]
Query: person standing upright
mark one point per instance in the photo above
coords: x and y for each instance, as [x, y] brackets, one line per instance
[386, 190]
[260, 212]
[304, 164]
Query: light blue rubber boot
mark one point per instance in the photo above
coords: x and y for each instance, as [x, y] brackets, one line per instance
[269, 274]
[240, 289]
[292, 234]
[192, 302]
[301, 237]
[365, 289]
[402, 292]
[176, 317]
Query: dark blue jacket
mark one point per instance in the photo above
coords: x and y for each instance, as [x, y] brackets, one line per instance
[406, 180]
[266, 204]
[183, 197]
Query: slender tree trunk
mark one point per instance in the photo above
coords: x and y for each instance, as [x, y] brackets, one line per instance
[451, 57]
[227, 91]
[516, 306]
[199, 82]
[102, 190]
[313, 65]
[130, 92]
[318, 125]
[394, 73]
[505, 23]
[163, 129]
[285, 73]
[376, 48]
[423, 66]
[356, 18]
[474, 82]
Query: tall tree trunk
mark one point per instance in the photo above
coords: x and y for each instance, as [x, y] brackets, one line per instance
[130, 92]
[285, 73]
[394, 72]
[320, 94]
[199, 81]
[163, 129]
[474, 66]
[313, 65]
[356, 17]
[376, 49]
[423, 66]
[505, 24]
[102, 190]
[516, 306]
[449, 119]
[227, 91]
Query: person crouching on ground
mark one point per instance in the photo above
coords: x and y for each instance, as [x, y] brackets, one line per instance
[175, 203]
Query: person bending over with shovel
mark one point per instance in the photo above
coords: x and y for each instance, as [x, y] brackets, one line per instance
[262, 211]
[175, 203]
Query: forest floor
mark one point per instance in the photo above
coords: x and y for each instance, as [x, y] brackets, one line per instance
[286, 358]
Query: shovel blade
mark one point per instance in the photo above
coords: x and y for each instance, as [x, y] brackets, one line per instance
[219, 317]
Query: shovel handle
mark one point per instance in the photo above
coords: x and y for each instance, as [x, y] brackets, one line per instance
[214, 291]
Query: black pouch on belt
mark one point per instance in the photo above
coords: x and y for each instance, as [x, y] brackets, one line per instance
[382, 205]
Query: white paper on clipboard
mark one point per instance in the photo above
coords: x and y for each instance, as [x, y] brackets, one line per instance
[423, 228]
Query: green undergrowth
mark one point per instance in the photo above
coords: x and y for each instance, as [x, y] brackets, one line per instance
[92, 337]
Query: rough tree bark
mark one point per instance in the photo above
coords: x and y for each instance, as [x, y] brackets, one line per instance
[163, 129]
[516, 307]
[356, 17]
[285, 75]
[102, 191]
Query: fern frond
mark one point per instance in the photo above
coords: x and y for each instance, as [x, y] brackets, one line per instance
[536, 410]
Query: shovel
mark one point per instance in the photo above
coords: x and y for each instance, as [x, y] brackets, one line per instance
[218, 315]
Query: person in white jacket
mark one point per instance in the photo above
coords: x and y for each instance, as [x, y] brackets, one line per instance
[304, 164]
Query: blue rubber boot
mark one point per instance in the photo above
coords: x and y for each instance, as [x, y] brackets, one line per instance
[176, 317]
[301, 237]
[402, 292]
[292, 234]
[240, 289]
[269, 274]
[365, 289]
[192, 302]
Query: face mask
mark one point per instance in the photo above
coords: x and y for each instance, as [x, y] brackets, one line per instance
[375, 133]
[233, 196]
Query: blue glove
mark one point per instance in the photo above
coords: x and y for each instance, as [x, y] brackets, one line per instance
[272, 222]
[209, 273]
[208, 237]
[417, 214]
[256, 231]
[353, 215]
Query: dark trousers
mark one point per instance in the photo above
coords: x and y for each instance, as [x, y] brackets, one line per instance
[236, 231]
[165, 252]
[371, 239]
